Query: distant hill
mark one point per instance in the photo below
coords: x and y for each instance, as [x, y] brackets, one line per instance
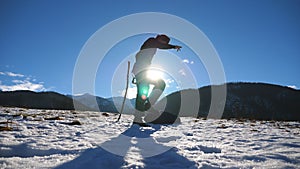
[247, 100]
[112, 104]
[38, 100]
[53, 100]
[95, 103]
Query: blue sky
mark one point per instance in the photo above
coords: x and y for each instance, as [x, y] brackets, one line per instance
[257, 41]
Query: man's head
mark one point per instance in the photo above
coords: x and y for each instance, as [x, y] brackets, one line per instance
[163, 39]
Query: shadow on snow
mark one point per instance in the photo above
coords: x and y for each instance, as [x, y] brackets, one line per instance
[136, 148]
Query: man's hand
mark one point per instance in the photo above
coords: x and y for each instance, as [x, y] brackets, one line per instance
[178, 48]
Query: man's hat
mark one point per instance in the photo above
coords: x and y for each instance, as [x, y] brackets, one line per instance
[163, 38]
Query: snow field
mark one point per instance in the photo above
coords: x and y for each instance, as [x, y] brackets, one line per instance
[45, 139]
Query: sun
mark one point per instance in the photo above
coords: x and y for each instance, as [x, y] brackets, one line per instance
[154, 74]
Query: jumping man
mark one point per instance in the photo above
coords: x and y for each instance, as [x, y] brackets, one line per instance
[140, 68]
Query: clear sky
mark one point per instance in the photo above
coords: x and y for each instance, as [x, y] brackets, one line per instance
[257, 40]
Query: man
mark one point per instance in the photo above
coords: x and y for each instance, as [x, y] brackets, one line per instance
[142, 64]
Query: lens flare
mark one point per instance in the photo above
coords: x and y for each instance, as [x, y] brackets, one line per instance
[144, 97]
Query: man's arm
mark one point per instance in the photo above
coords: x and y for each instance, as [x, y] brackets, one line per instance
[153, 43]
[165, 46]
[169, 46]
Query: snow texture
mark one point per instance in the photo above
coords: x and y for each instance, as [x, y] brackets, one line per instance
[46, 139]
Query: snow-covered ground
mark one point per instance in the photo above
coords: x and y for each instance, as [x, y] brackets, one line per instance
[39, 139]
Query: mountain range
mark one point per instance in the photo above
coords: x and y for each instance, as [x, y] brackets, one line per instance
[259, 101]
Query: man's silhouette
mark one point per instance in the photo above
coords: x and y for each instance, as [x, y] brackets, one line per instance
[144, 100]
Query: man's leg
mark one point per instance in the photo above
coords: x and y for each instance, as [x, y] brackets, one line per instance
[143, 103]
[152, 114]
[138, 117]
[141, 98]
[159, 86]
